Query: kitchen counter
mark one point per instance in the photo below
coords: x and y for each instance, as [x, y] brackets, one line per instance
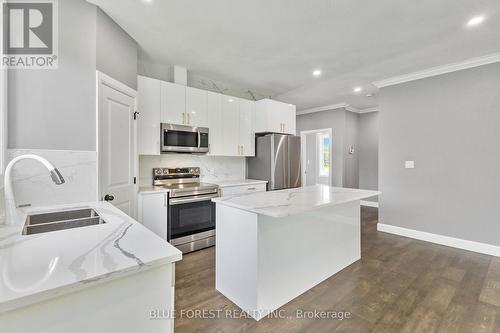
[295, 200]
[153, 189]
[273, 246]
[42, 266]
[237, 182]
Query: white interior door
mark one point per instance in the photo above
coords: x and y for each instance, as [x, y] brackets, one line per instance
[117, 147]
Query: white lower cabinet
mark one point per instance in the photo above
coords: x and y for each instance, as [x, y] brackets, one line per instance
[243, 189]
[153, 213]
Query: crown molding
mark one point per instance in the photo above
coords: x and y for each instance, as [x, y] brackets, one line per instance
[368, 110]
[434, 71]
[351, 109]
[323, 108]
[345, 106]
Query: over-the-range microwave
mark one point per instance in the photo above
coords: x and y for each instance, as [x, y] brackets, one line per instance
[183, 139]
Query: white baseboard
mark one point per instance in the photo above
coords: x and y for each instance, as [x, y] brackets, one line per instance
[442, 240]
[369, 203]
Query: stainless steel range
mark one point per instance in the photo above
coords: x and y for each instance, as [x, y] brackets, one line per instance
[191, 212]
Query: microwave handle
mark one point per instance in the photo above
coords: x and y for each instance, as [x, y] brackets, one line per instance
[199, 139]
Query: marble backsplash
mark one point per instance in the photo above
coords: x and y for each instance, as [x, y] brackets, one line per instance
[212, 167]
[33, 185]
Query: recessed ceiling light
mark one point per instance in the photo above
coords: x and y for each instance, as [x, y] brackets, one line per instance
[476, 20]
[317, 72]
[358, 89]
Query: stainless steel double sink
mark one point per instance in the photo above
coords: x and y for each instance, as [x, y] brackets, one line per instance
[61, 220]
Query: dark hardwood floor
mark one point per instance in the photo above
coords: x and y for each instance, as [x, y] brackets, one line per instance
[399, 285]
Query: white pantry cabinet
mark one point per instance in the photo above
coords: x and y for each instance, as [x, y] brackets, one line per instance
[230, 127]
[231, 122]
[274, 116]
[214, 114]
[196, 107]
[153, 212]
[149, 106]
[246, 127]
[173, 103]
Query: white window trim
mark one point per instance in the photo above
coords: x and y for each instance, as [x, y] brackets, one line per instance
[3, 103]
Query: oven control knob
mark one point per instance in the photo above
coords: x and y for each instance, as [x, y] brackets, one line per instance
[192, 171]
[165, 171]
[157, 172]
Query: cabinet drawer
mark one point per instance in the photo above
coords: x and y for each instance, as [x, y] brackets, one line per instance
[245, 189]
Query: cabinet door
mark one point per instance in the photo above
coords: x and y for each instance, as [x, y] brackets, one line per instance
[277, 116]
[149, 106]
[247, 123]
[290, 126]
[196, 107]
[153, 212]
[214, 111]
[230, 124]
[173, 103]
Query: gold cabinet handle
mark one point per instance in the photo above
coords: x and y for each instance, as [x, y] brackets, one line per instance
[184, 118]
[189, 118]
[242, 150]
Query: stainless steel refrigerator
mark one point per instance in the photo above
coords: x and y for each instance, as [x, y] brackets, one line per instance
[277, 160]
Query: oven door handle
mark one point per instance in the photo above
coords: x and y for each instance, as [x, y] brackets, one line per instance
[178, 201]
[199, 139]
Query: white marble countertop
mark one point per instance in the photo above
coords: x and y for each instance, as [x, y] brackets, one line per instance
[221, 183]
[237, 182]
[152, 189]
[295, 200]
[42, 266]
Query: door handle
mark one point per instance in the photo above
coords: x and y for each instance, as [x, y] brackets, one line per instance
[109, 197]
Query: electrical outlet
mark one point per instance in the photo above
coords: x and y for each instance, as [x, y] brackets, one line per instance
[409, 164]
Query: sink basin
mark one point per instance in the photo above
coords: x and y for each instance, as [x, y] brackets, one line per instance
[61, 220]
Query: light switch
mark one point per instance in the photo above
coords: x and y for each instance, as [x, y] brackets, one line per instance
[409, 164]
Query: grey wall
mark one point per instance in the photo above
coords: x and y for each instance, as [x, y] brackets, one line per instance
[351, 161]
[449, 125]
[368, 151]
[116, 51]
[55, 109]
[334, 119]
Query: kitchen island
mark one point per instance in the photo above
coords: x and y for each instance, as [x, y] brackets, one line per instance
[273, 246]
[112, 277]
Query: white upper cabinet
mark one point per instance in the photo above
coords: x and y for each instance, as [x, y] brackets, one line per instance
[149, 106]
[196, 107]
[230, 120]
[173, 103]
[214, 113]
[274, 116]
[247, 127]
[230, 126]
[291, 125]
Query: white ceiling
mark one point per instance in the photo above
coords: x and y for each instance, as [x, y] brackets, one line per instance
[272, 46]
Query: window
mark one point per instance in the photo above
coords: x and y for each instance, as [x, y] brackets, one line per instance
[324, 154]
